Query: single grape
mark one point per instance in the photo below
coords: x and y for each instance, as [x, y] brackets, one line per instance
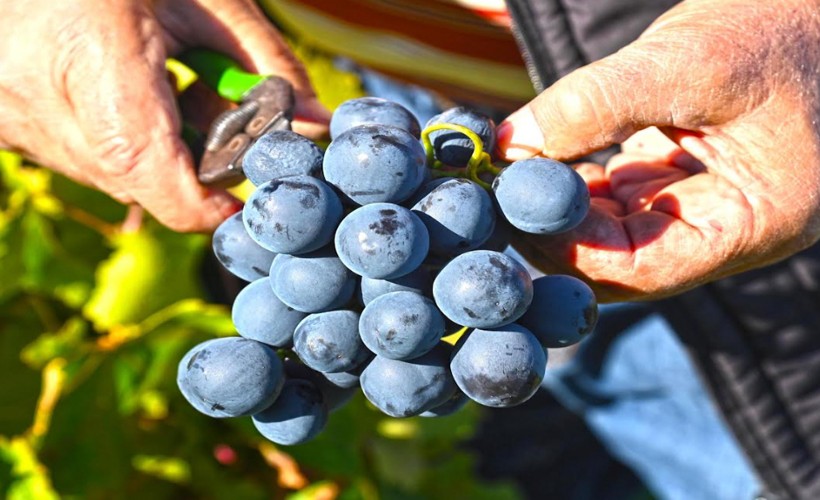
[401, 325]
[499, 368]
[312, 282]
[418, 281]
[426, 188]
[258, 314]
[375, 163]
[330, 341]
[281, 153]
[297, 416]
[185, 388]
[292, 215]
[238, 253]
[372, 111]
[458, 214]
[382, 241]
[541, 196]
[483, 289]
[452, 405]
[408, 388]
[454, 148]
[563, 310]
[230, 377]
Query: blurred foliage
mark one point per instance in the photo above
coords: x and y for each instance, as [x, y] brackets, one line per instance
[94, 317]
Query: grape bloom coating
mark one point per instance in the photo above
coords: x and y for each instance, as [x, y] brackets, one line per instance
[377, 267]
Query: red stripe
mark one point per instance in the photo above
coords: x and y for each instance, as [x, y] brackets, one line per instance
[448, 27]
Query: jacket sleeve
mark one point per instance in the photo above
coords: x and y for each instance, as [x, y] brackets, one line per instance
[755, 337]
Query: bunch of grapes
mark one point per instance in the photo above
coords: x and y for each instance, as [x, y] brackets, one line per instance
[375, 264]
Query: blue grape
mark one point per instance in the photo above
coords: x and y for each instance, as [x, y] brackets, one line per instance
[426, 188]
[185, 387]
[382, 241]
[483, 289]
[541, 196]
[335, 395]
[456, 402]
[418, 281]
[499, 368]
[454, 148]
[292, 215]
[375, 163]
[458, 214]
[297, 416]
[238, 253]
[348, 379]
[279, 154]
[330, 341]
[372, 111]
[258, 314]
[401, 325]
[563, 310]
[230, 377]
[408, 388]
[313, 282]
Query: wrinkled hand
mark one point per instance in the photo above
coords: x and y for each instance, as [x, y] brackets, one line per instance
[84, 90]
[735, 182]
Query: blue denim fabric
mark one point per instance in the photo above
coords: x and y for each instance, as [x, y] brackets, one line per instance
[640, 394]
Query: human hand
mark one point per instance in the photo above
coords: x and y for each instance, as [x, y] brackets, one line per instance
[84, 90]
[733, 85]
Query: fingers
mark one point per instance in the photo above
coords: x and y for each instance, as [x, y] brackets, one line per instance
[593, 107]
[131, 130]
[239, 29]
[691, 232]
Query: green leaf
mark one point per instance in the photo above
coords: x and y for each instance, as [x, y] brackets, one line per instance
[31, 257]
[167, 468]
[321, 489]
[19, 323]
[90, 202]
[22, 476]
[148, 270]
[68, 342]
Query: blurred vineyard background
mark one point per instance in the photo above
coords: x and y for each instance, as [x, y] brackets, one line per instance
[96, 309]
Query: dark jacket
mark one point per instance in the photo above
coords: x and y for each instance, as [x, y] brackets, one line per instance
[755, 337]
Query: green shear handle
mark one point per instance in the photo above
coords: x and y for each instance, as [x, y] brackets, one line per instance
[265, 104]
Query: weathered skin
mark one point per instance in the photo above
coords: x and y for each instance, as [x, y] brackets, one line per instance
[730, 178]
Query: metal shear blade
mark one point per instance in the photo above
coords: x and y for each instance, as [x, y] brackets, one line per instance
[266, 107]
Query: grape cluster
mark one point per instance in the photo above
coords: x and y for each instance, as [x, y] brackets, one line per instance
[376, 264]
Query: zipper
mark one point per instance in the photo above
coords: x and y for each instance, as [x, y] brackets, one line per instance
[519, 13]
[526, 55]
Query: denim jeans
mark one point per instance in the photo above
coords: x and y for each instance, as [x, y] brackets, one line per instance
[633, 383]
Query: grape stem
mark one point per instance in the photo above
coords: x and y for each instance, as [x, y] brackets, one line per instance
[480, 161]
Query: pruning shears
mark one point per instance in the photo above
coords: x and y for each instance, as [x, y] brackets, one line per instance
[265, 104]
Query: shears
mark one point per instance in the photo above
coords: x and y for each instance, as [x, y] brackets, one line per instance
[265, 104]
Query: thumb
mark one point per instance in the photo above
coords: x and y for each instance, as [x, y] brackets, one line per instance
[591, 108]
[241, 30]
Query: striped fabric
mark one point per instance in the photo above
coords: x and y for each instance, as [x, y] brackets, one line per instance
[462, 48]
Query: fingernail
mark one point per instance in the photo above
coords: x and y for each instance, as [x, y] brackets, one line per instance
[519, 136]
